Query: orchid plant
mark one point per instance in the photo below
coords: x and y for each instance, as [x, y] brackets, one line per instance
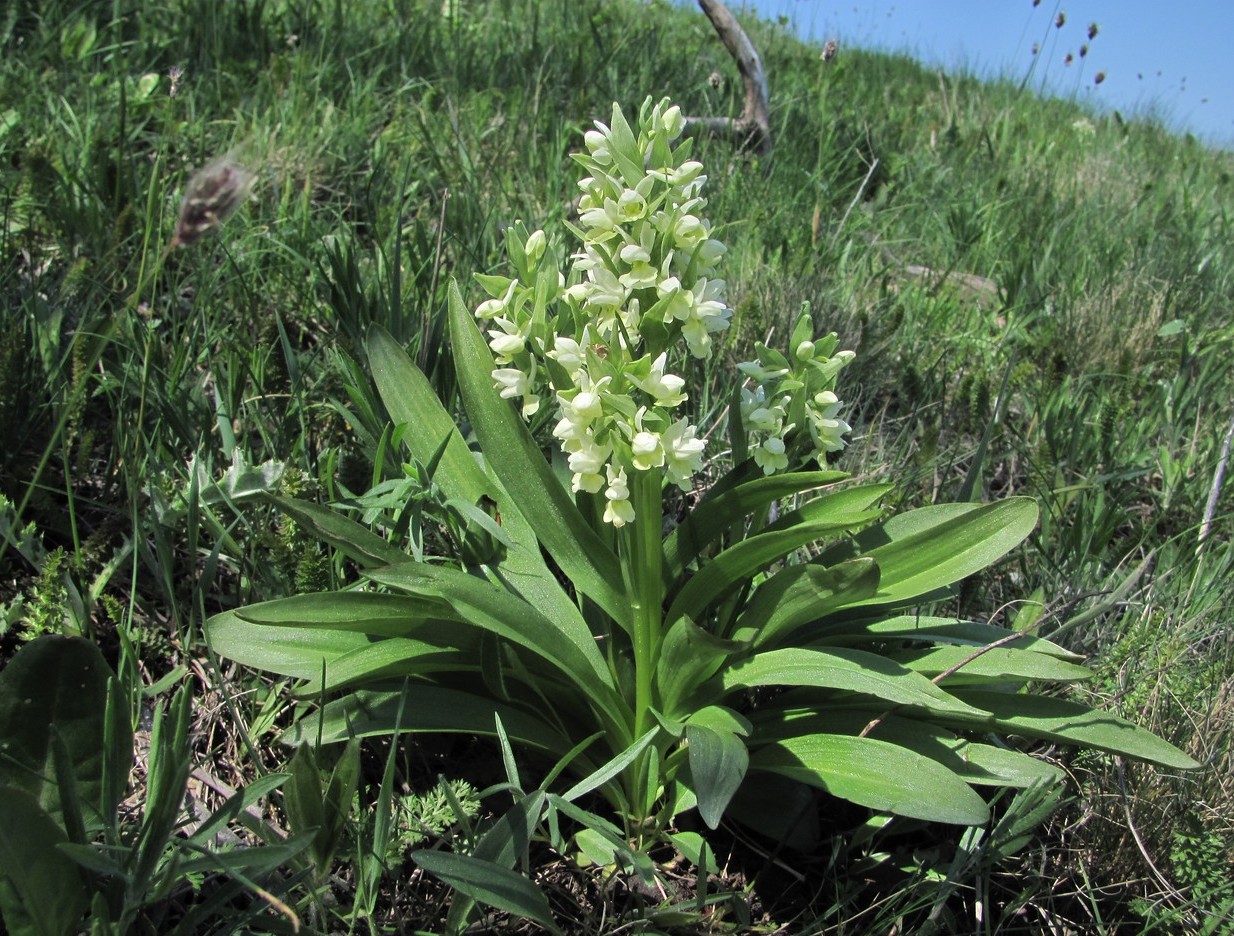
[766, 652]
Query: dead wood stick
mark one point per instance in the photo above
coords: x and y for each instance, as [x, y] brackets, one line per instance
[753, 128]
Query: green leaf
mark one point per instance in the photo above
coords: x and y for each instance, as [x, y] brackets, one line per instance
[689, 656]
[846, 670]
[994, 665]
[927, 549]
[975, 763]
[942, 630]
[366, 612]
[801, 594]
[425, 708]
[410, 400]
[43, 892]
[501, 846]
[716, 515]
[845, 510]
[288, 651]
[718, 761]
[355, 541]
[1033, 716]
[567, 644]
[613, 768]
[523, 471]
[489, 883]
[61, 683]
[876, 774]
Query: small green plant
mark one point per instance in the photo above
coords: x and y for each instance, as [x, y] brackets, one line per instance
[66, 748]
[635, 657]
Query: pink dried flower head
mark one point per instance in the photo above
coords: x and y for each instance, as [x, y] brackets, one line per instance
[1092, 31]
[1060, 20]
[830, 50]
[212, 196]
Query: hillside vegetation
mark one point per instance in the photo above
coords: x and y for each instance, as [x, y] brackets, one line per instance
[1039, 298]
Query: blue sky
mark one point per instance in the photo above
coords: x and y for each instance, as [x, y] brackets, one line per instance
[1172, 59]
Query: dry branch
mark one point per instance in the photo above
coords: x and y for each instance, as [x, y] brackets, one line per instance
[752, 129]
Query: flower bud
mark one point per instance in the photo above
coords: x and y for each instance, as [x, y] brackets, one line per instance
[805, 351]
[673, 122]
[534, 248]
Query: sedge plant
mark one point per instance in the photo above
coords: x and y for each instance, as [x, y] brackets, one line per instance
[741, 658]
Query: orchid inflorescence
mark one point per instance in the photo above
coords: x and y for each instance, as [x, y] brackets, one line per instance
[603, 337]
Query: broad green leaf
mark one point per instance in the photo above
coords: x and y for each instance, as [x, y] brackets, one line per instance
[689, 656]
[1033, 716]
[715, 515]
[846, 670]
[365, 612]
[996, 664]
[930, 548]
[410, 400]
[424, 708]
[390, 659]
[489, 883]
[800, 594]
[298, 652]
[58, 682]
[875, 774]
[843, 511]
[982, 764]
[718, 761]
[41, 888]
[941, 630]
[567, 644]
[523, 471]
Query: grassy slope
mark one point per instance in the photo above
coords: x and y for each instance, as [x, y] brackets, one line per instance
[1083, 261]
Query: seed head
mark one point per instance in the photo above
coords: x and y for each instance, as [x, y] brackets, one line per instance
[1083, 50]
[1098, 78]
[830, 50]
[1060, 20]
[1068, 59]
[212, 196]
[715, 79]
[1092, 31]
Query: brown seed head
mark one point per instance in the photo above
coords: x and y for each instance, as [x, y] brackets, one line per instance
[1092, 31]
[1083, 50]
[1098, 78]
[830, 50]
[715, 79]
[1068, 59]
[212, 196]
[1060, 20]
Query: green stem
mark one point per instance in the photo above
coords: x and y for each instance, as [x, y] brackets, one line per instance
[647, 561]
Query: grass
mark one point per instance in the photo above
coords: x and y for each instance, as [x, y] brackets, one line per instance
[1039, 298]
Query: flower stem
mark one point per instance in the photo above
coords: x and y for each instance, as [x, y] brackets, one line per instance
[646, 576]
